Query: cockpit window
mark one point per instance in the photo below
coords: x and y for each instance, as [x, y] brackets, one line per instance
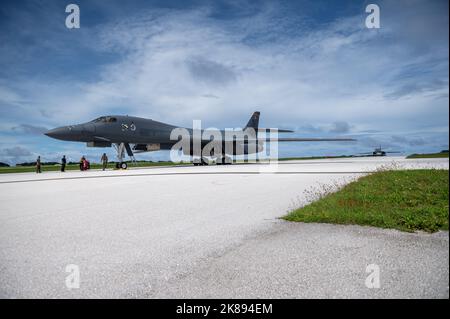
[100, 119]
[105, 119]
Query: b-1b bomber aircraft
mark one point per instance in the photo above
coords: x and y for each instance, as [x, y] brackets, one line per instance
[378, 151]
[135, 134]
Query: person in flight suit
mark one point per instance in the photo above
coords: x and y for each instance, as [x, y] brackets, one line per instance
[104, 160]
[63, 163]
[38, 164]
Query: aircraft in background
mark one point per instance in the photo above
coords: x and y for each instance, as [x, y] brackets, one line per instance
[378, 152]
[135, 134]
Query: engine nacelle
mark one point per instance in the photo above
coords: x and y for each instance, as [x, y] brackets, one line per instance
[229, 148]
[147, 147]
[98, 144]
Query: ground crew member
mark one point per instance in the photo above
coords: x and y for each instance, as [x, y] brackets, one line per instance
[63, 163]
[86, 164]
[104, 160]
[38, 165]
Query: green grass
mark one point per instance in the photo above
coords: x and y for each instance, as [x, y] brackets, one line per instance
[48, 168]
[407, 200]
[430, 155]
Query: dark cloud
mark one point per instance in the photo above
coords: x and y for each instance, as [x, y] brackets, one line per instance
[210, 96]
[16, 151]
[371, 142]
[399, 139]
[210, 72]
[417, 142]
[415, 88]
[337, 127]
[423, 25]
[340, 127]
[408, 141]
[30, 129]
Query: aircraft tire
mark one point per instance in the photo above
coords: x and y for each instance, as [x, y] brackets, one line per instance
[123, 165]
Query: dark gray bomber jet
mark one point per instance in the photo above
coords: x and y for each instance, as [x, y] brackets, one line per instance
[378, 152]
[135, 134]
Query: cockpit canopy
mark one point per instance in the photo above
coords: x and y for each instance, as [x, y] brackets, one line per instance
[105, 119]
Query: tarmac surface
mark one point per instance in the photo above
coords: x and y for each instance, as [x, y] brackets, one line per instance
[210, 231]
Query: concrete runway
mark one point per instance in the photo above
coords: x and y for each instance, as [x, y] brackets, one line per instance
[205, 232]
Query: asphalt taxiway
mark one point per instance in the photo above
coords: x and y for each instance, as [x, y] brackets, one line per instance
[210, 231]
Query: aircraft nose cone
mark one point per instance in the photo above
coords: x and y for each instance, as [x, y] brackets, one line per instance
[55, 133]
[60, 133]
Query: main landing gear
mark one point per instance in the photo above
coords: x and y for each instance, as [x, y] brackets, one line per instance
[222, 160]
[121, 148]
[122, 165]
[200, 161]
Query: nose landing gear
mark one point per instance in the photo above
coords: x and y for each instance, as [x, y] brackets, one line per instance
[122, 165]
[120, 148]
[200, 161]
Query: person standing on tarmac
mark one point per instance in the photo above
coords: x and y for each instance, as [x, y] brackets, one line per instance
[81, 163]
[38, 165]
[86, 164]
[63, 163]
[104, 160]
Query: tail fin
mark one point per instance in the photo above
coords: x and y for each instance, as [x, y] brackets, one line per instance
[253, 122]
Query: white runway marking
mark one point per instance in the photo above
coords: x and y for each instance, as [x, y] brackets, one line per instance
[139, 234]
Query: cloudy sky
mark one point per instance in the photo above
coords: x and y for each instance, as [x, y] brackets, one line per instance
[311, 66]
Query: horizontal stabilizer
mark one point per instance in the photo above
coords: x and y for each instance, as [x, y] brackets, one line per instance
[268, 130]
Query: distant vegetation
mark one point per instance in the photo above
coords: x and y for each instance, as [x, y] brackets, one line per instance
[407, 200]
[34, 163]
[313, 157]
[442, 154]
[4, 164]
